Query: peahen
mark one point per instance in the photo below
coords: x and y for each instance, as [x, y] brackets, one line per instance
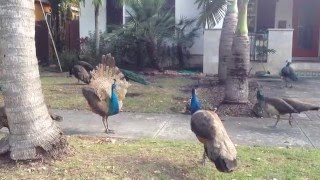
[210, 131]
[81, 74]
[288, 74]
[282, 106]
[106, 91]
[4, 119]
[84, 64]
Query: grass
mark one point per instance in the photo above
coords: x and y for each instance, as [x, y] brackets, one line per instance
[159, 159]
[164, 94]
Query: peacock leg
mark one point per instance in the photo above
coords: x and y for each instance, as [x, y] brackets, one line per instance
[290, 120]
[204, 156]
[108, 131]
[278, 119]
[104, 123]
[285, 79]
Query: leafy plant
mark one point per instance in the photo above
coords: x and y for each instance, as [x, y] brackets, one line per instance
[185, 35]
[66, 58]
[212, 11]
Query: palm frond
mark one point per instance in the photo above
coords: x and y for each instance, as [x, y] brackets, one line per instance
[212, 12]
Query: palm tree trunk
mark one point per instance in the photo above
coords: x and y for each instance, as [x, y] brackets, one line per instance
[32, 131]
[96, 29]
[237, 89]
[226, 39]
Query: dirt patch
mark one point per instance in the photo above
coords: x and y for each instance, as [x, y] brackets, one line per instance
[211, 94]
[133, 94]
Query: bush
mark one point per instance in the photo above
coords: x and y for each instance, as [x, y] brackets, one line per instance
[150, 39]
[66, 58]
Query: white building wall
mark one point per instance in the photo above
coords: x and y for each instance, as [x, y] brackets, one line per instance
[187, 8]
[281, 41]
[284, 9]
[87, 18]
[211, 51]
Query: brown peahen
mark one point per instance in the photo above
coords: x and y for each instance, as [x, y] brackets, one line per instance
[210, 131]
[4, 119]
[282, 106]
[107, 90]
[81, 74]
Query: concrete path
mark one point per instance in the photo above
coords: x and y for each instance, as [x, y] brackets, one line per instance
[243, 131]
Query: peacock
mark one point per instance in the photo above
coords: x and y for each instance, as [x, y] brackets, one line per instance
[84, 64]
[210, 131]
[107, 90]
[4, 119]
[81, 74]
[288, 74]
[282, 106]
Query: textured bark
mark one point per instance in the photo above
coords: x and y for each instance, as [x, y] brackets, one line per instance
[31, 128]
[96, 29]
[237, 89]
[226, 39]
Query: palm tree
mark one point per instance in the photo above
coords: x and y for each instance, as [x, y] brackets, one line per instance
[97, 4]
[212, 12]
[237, 89]
[32, 131]
[226, 39]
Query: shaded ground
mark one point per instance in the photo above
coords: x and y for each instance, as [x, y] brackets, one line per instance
[148, 159]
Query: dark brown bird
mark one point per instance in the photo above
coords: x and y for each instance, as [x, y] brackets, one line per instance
[210, 131]
[84, 64]
[106, 91]
[4, 119]
[81, 74]
[282, 106]
[300, 106]
[275, 106]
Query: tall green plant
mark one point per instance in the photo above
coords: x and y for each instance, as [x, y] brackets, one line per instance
[185, 35]
[149, 26]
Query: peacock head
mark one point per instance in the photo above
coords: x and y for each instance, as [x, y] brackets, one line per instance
[259, 95]
[114, 85]
[194, 92]
[288, 63]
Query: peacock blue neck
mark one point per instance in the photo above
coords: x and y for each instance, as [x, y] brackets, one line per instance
[260, 97]
[114, 103]
[195, 104]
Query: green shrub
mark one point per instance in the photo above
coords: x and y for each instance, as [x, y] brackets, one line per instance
[66, 58]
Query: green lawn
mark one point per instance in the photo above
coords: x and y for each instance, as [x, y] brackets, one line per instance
[145, 159]
[164, 94]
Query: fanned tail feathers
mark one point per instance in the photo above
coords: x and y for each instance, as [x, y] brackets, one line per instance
[103, 77]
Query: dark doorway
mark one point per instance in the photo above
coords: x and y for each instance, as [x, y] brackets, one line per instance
[114, 15]
[42, 42]
[266, 14]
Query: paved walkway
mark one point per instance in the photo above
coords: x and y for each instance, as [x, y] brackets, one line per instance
[243, 131]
